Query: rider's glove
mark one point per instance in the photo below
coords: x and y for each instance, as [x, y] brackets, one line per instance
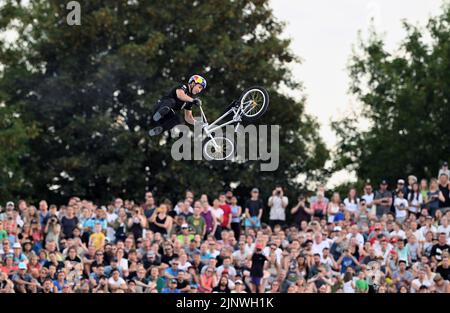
[197, 102]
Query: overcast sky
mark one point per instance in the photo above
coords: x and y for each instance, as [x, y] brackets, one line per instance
[322, 33]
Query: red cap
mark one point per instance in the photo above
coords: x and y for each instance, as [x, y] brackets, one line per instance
[259, 246]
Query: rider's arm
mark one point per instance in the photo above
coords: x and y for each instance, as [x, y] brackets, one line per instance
[181, 94]
[189, 117]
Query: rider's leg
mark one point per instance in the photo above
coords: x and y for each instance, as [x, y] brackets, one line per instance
[163, 107]
[170, 121]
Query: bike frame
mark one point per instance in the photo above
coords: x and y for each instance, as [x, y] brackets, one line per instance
[237, 111]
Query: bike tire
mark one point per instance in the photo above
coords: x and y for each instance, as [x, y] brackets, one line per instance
[265, 106]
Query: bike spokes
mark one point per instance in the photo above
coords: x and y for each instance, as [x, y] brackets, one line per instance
[219, 148]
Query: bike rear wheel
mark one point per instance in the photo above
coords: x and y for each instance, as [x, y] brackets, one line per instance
[254, 102]
[218, 148]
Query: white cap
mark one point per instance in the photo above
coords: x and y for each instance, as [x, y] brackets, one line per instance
[337, 228]
[400, 181]
[16, 245]
[184, 225]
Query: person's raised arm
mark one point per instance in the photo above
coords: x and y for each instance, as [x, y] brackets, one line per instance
[295, 209]
[441, 196]
[181, 94]
[188, 117]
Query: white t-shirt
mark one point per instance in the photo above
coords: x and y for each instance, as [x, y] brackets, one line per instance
[278, 253]
[178, 211]
[333, 209]
[442, 229]
[425, 229]
[277, 212]
[416, 282]
[416, 201]
[419, 236]
[359, 238]
[217, 213]
[123, 263]
[368, 198]
[348, 288]
[184, 267]
[116, 283]
[401, 213]
[351, 206]
[399, 233]
[318, 247]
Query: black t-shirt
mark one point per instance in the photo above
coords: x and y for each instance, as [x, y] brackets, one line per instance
[166, 258]
[445, 272]
[182, 284]
[185, 215]
[68, 224]
[254, 206]
[438, 249]
[258, 260]
[301, 215]
[178, 103]
[220, 289]
[446, 193]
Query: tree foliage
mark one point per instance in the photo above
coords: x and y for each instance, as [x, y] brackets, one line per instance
[88, 91]
[405, 96]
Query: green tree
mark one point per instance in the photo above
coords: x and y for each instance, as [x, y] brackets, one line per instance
[405, 97]
[89, 91]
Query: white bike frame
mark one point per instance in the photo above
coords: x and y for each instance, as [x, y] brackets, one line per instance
[237, 111]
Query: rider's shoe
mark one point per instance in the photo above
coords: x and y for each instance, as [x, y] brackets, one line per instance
[160, 113]
[155, 131]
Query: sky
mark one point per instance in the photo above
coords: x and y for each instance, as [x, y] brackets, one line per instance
[322, 34]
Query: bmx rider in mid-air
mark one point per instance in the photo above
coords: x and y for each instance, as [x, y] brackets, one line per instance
[182, 97]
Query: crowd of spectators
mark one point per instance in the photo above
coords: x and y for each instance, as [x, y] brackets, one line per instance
[375, 240]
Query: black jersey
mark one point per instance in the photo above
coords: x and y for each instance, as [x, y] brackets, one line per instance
[179, 105]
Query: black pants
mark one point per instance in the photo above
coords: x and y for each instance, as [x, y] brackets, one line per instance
[236, 227]
[171, 119]
[272, 223]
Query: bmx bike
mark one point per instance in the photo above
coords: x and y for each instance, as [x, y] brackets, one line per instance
[250, 106]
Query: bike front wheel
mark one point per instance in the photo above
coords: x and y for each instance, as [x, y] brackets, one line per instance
[254, 102]
[218, 148]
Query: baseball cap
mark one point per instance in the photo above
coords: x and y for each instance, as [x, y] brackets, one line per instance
[9, 203]
[445, 163]
[22, 266]
[151, 253]
[238, 282]
[185, 226]
[17, 245]
[173, 281]
[383, 182]
[259, 246]
[255, 190]
[412, 177]
[400, 181]
[337, 228]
